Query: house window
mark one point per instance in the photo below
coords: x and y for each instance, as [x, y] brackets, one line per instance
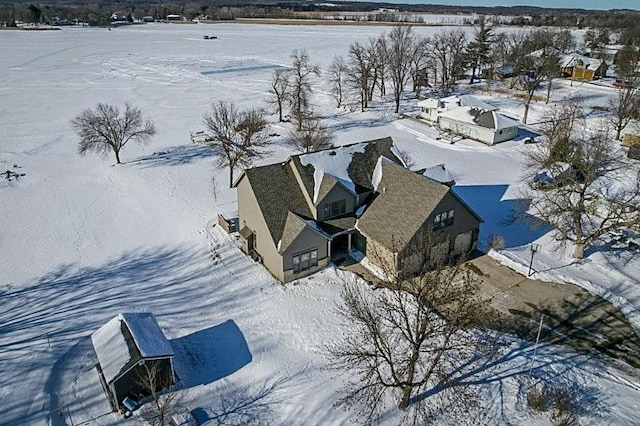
[443, 219]
[306, 260]
[334, 209]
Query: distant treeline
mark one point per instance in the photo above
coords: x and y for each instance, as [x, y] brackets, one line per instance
[99, 13]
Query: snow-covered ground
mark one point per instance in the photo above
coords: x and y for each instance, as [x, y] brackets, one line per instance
[82, 240]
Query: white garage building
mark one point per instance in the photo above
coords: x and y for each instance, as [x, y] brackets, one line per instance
[469, 117]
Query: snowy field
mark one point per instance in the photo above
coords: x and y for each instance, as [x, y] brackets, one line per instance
[82, 240]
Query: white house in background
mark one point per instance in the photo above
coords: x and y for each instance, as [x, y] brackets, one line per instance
[468, 116]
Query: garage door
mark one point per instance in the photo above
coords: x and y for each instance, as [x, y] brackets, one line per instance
[463, 243]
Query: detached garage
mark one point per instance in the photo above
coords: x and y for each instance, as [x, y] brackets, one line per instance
[130, 348]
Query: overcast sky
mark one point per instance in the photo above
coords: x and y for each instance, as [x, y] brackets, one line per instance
[581, 4]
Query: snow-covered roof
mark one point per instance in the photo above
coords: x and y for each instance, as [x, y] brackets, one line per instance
[544, 52]
[489, 119]
[578, 60]
[428, 103]
[503, 122]
[438, 173]
[463, 114]
[334, 163]
[127, 338]
[466, 101]
[454, 102]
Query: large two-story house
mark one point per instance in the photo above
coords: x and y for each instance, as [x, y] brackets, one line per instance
[298, 215]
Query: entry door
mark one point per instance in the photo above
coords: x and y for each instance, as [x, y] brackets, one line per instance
[439, 252]
[360, 243]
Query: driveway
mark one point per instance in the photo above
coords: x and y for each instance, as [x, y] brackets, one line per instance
[572, 315]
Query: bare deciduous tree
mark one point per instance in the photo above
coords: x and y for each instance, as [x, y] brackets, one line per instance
[597, 197]
[279, 90]
[313, 136]
[156, 383]
[559, 130]
[300, 87]
[251, 126]
[378, 49]
[420, 58]
[399, 49]
[360, 72]
[624, 107]
[496, 57]
[229, 136]
[449, 51]
[337, 76]
[413, 342]
[104, 129]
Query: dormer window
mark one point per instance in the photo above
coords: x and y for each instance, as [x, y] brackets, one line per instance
[444, 219]
[334, 209]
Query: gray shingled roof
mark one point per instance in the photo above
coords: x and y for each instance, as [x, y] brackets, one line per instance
[335, 226]
[306, 175]
[404, 202]
[277, 192]
[293, 226]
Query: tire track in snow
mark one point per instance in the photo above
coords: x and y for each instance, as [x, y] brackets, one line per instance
[31, 61]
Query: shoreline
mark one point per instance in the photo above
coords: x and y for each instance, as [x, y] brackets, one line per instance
[337, 22]
[31, 28]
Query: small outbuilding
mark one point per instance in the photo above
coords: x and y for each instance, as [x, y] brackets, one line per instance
[130, 348]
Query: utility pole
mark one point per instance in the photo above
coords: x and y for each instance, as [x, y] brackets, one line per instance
[535, 348]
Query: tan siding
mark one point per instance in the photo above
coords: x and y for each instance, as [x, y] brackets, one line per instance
[414, 256]
[380, 256]
[251, 216]
[336, 194]
[306, 240]
[463, 220]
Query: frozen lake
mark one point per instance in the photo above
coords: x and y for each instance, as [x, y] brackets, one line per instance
[82, 240]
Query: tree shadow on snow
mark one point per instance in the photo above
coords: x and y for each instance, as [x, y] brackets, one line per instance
[244, 405]
[513, 371]
[50, 314]
[211, 354]
[73, 387]
[524, 134]
[175, 156]
[506, 218]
